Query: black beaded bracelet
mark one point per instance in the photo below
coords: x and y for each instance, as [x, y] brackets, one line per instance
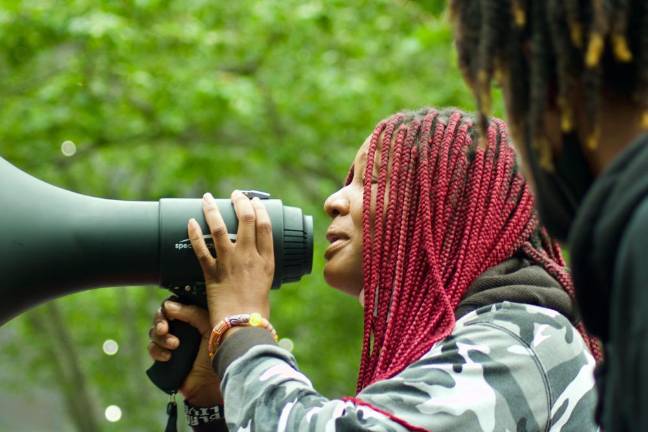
[197, 416]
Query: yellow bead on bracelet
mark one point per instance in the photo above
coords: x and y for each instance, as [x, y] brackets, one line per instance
[253, 319]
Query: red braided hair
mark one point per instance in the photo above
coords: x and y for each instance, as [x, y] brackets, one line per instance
[454, 208]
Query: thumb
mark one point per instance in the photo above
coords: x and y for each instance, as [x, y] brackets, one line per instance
[194, 315]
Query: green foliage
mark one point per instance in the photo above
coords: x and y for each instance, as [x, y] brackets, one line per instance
[171, 99]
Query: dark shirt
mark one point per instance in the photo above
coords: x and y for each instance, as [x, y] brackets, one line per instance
[610, 270]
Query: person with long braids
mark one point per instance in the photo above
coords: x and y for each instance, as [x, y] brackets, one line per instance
[574, 76]
[469, 319]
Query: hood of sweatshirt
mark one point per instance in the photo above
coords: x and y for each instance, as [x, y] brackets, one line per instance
[517, 280]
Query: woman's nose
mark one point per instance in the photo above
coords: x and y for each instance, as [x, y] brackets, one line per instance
[336, 204]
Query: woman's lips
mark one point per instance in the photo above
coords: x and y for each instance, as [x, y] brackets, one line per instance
[335, 247]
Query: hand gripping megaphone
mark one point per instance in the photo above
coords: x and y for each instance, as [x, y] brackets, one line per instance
[55, 242]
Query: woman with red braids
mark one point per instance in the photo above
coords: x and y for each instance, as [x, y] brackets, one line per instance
[469, 323]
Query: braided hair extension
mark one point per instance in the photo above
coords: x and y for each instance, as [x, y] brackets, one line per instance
[561, 19]
[551, 49]
[447, 208]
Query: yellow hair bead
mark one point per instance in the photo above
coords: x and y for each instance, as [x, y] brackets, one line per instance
[594, 50]
[576, 33]
[593, 139]
[546, 160]
[519, 15]
[621, 50]
[566, 124]
[644, 120]
[543, 149]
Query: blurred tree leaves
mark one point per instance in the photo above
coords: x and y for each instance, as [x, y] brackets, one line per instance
[171, 99]
[434, 7]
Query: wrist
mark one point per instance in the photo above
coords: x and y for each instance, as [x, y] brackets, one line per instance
[229, 333]
[237, 321]
[219, 308]
[203, 398]
[218, 313]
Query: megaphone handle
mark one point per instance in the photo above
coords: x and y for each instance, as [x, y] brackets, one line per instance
[169, 375]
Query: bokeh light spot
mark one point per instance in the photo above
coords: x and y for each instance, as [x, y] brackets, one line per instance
[68, 148]
[110, 347]
[113, 413]
[286, 344]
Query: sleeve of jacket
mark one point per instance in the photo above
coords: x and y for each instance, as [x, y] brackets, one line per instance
[482, 377]
[627, 381]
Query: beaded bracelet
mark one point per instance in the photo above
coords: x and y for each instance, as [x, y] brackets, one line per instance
[253, 319]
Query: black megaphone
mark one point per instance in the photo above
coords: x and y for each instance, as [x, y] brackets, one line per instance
[55, 242]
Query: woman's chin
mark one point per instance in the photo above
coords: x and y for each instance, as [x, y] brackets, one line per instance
[338, 279]
[330, 275]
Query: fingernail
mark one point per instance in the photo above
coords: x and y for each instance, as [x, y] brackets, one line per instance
[256, 198]
[172, 342]
[171, 306]
[208, 197]
[192, 223]
[159, 327]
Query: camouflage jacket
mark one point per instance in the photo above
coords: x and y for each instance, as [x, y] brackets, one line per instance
[505, 367]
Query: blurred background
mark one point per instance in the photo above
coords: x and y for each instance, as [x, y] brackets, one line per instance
[143, 99]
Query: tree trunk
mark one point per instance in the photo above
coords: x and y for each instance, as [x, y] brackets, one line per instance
[61, 352]
[135, 346]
